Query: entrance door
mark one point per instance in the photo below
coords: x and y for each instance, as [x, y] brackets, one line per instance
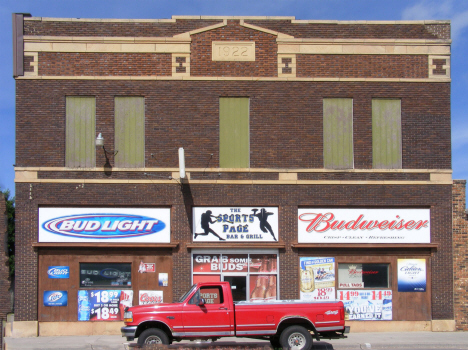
[238, 287]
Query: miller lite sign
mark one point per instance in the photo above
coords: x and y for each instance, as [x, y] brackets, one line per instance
[136, 225]
[331, 225]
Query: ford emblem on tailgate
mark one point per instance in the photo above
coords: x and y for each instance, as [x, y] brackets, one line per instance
[104, 225]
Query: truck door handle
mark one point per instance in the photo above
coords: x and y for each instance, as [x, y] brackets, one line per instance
[223, 308]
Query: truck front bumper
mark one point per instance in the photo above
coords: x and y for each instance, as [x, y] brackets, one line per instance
[129, 332]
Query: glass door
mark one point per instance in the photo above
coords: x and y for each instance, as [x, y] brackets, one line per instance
[238, 287]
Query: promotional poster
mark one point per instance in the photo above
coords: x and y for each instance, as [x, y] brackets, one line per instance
[55, 298]
[331, 225]
[150, 297]
[163, 279]
[58, 272]
[411, 275]
[317, 281]
[103, 305]
[235, 224]
[366, 305]
[132, 225]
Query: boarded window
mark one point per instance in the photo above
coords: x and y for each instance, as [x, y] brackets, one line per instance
[338, 133]
[234, 132]
[386, 134]
[130, 132]
[80, 150]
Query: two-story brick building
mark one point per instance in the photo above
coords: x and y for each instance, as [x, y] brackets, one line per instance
[317, 166]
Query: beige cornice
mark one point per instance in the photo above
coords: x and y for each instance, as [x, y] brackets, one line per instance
[436, 79]
[301, 21]
[285, 176]
[111, 20]
[240, 170]
[179, 44]
[232, 182]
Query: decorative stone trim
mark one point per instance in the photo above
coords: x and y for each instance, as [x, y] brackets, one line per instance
[439, 67]
[285, 78]
[34, 64]
[286, 66]
[180, 65]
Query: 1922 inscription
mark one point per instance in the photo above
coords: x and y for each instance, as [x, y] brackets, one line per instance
[233, 51]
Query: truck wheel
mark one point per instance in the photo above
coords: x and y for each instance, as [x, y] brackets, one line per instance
[296, 338]
[153, 336]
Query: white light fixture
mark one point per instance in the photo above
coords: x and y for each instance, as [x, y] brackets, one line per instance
[99, 141]
[181, 163]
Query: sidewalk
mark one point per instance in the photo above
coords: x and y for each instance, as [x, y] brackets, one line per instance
[410, 340]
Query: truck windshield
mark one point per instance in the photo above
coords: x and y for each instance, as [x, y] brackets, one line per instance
[187, 294]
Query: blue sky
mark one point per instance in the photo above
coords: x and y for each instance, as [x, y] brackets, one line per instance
[456, 11]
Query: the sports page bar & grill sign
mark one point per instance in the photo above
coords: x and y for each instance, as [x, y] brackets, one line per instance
[135, 225]
[331, 225]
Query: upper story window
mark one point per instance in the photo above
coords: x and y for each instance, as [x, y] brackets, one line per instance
[234, 146]
[338, 133]
[386, 134]
[130, 132]
[80, 125]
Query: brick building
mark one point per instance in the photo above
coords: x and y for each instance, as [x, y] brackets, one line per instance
[460, 257]
[5, 283]
[317, 166]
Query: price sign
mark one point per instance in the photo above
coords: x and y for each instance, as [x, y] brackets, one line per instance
[103, 305]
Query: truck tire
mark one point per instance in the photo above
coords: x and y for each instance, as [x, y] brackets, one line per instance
[296, 338]
[275, 343]
[153, 336]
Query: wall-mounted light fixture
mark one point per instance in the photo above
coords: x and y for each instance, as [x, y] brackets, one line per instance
[100, 143]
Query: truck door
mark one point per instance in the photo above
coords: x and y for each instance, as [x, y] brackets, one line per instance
[213, 318]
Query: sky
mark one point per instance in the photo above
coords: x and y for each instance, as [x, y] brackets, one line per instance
[454, 10]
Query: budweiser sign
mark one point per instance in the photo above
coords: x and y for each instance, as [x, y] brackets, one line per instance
[330, 225]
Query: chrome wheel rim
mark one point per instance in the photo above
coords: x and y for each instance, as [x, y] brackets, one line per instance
[296, 341]
[153, 339]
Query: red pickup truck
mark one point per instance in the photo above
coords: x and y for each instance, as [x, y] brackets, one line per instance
[207, 311]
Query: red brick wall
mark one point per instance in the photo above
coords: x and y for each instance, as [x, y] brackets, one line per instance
[5, 301]
[460, 256]
[265, 64]
[362, 66]
[355, 31]
[104, 64]
[144, 29]
[285, 117]
[299, 30]
[287, 198]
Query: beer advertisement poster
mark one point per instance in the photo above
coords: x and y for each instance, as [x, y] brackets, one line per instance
[58, 272]
[118, 225]
[163, 279]
[235, 224]
[150, 297]
[411, 275]
[103, 305]
[366, 305]
[55, 298]
[317, 279]
[332, 225]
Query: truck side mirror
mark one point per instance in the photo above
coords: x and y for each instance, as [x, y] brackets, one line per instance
[201, 302]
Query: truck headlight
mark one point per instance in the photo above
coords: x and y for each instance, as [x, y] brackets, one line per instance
[128, 316]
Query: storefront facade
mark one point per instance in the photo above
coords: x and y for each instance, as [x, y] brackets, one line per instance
[317, 167]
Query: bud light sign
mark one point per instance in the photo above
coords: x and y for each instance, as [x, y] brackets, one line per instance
[55, 298]
[58, 272]
[134, 225]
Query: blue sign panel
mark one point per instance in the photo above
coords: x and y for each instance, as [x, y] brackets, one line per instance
[58, 272]
[55, 298]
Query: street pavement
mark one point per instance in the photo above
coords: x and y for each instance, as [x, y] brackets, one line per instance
[399, 341]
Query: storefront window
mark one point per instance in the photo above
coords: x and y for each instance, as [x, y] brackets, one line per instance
[106, 275]
[357, 276]
[253, 277]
